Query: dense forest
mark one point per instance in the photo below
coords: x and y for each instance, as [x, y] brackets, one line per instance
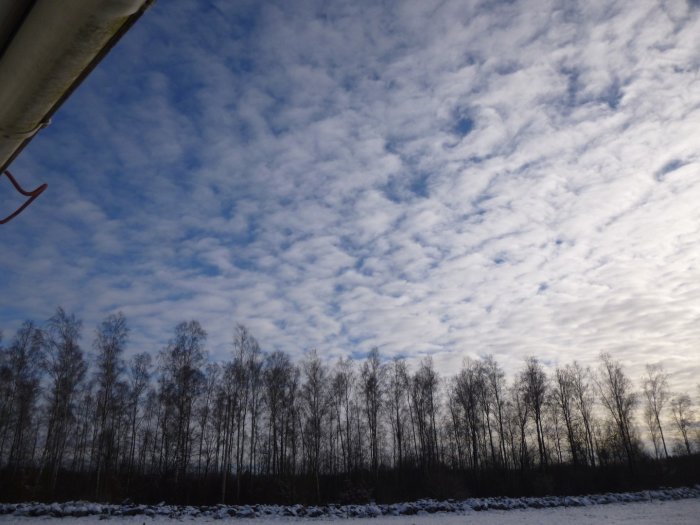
[263, 428]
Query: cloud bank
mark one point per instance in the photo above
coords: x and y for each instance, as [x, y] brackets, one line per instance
[432, 178]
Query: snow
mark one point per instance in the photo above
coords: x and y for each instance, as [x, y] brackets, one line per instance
[667, 506]
[678, 512]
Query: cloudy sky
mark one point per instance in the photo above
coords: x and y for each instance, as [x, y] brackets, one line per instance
[432, 178]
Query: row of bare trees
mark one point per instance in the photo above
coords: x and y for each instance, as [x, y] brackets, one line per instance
[115, 420]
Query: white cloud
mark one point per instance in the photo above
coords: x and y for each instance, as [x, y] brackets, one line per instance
[304, 174]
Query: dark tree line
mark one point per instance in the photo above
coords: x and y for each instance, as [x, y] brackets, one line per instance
[259, 426]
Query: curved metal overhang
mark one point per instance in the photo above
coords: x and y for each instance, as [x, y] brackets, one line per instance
[47, 48]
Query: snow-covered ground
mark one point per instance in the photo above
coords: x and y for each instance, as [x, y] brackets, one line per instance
[679, 512]
[658, 507]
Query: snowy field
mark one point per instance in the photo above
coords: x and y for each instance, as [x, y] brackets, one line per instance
[668, 506]
[672, 512]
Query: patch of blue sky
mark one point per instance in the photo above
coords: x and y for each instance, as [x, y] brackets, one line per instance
[204, 269]
[242, 20]
[361, 266]
[464, 126]
[9, 313]
[407, 186]
[278, 123]
[670, 166]
[573, 86]
[476, 216]
[482, 198]
[612, 96]
[577, 93]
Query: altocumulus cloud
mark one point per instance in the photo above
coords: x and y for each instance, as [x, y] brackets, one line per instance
[433, 178]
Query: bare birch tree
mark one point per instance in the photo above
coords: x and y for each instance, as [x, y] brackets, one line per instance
[655, 387]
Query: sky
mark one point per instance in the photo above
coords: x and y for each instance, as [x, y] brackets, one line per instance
[447, 179]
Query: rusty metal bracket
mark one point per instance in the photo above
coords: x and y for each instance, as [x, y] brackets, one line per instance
[31, 194]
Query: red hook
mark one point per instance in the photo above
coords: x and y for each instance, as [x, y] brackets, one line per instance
[31, 194]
